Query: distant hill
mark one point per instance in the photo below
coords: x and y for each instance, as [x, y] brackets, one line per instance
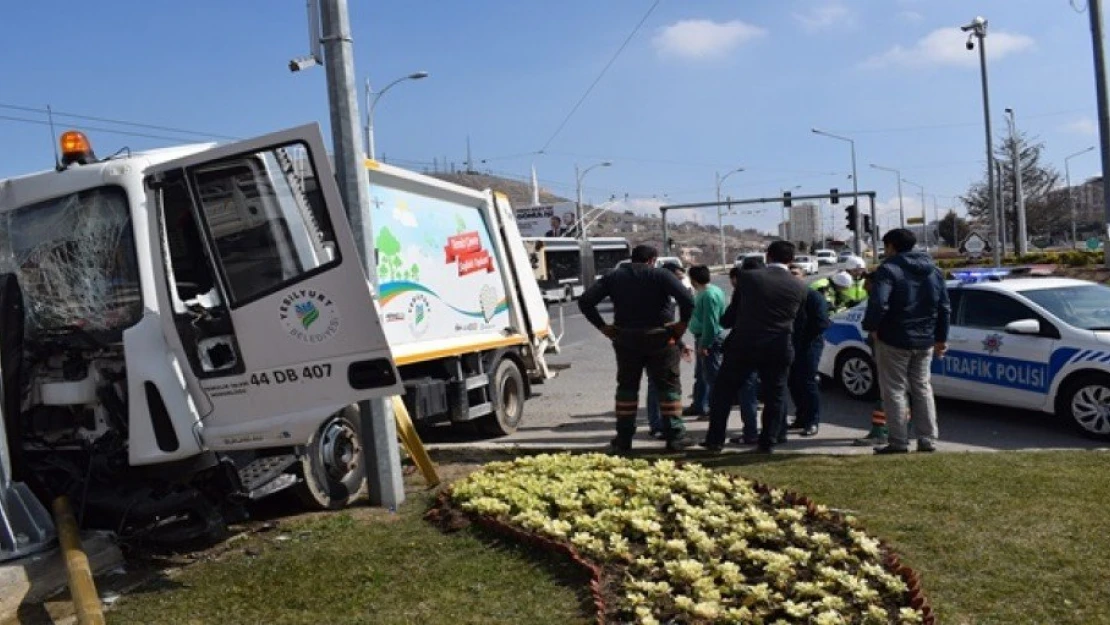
[701, 242]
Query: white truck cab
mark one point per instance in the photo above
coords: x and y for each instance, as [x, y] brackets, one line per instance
[199, 313]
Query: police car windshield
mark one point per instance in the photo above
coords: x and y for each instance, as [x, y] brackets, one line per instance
[1085, 306]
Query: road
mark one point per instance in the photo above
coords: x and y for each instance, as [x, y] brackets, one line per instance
[575, 411]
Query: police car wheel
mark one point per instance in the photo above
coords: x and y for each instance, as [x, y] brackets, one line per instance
[855, 371]
[1085, 402]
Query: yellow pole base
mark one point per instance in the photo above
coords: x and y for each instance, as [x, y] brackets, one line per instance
[82, 589]
[410, 440]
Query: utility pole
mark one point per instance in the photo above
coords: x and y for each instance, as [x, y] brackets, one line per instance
[379, 432]
[1019, 197]
[1094, 7]
[720, 212]
[1071, 195]
[978, 30]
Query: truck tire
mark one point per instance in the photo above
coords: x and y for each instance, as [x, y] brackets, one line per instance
[332, 469]
[1085, 403]
[506, 392]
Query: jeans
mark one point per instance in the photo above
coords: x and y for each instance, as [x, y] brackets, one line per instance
[905, 372]
[749, 406]
[803, 385]
[705, 374]
[736, 369]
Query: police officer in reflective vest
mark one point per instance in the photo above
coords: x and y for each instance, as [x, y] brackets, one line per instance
[644, 338]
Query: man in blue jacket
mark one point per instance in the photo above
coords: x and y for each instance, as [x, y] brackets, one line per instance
[907, 319]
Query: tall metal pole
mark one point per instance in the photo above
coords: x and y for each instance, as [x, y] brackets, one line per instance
[379, 432]
[857, 241]
[1071, 195]
[1001, 206]
[1094, 7]
[901, 207]
[1019, 196]
[720, 212]
[978, 29]
[578, 201]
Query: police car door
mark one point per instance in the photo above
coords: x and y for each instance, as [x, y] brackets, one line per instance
[987, 364]
[264, 292]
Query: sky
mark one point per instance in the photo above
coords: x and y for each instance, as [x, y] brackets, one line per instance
[701, 88]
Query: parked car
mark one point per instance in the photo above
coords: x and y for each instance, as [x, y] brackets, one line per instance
[1034, 343]
[808, 264]
[825, 257]
[760, 255]
[843, 257]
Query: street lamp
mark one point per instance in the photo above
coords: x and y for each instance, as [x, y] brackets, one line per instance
[578, 187]
[720, 213]
[901, 208]
[856, 240]
[1071, 199]
[924, 220]
[978, 30]
[371, 102]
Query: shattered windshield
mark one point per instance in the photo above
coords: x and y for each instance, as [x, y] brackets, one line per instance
[75, 260]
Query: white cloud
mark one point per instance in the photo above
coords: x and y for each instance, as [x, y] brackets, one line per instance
[911, 16]
[946, 46]
[1083, 126]
[704, 39]
[824, 17]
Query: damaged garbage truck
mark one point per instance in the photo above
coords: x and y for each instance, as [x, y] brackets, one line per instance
[185, 330]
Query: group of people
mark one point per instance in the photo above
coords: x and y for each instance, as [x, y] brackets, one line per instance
[768, 341]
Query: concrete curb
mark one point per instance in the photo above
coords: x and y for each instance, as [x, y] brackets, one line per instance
[33, 579]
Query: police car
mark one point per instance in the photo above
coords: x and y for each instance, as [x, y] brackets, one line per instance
[1034, 343]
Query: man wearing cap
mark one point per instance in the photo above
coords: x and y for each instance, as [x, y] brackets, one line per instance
[644, 338]
[847, 290]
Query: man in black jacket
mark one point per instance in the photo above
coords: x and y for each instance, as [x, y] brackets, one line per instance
[765, 303]
[907, 318]
[644, 337]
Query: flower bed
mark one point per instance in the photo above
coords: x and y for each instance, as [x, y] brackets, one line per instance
[678, 543]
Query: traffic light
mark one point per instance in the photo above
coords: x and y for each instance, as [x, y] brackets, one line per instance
[786, 199]
[851, 213]
[835, 193]
[867, 223]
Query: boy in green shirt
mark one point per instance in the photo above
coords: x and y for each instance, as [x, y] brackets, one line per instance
[705, 325]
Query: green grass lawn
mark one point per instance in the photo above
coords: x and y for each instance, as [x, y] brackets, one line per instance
[998, 538]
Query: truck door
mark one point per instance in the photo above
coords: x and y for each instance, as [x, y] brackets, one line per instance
[264, 293]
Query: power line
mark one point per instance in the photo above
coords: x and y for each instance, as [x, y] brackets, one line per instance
[128, 133]
[599, 76]
[43, 111]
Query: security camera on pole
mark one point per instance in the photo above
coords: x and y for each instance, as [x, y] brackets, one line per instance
[978, 30]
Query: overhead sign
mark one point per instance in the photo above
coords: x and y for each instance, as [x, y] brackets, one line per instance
[547, 220]
[1093, 243]
[915, 220]
[975, 245]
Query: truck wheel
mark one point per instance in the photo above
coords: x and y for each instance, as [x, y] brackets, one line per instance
[506, 391]
[855, 371]
[1085, 402]
[332, 469]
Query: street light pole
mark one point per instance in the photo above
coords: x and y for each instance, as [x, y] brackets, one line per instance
[1019, 196]
[924, 218]
[901, 208]
[1071, 197]
[978, 30]
[720, 213]
[371, 102]
[856, 240]
[1094, 7]
[578, 193]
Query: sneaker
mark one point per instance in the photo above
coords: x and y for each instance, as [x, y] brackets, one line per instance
[679, 443]
[891, 449]
[690, 411]
[877, 440]
[925, 445]
[656, 434]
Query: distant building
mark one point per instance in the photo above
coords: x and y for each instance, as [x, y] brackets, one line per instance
[804, 223]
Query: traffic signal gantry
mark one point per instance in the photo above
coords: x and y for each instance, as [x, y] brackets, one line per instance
[787, 200]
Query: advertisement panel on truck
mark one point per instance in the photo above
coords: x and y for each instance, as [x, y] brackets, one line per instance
[439, 274]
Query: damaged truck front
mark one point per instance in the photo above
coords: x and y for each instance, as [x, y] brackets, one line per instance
[184, 330]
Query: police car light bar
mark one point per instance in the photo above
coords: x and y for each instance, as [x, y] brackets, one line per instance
[980, 275]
